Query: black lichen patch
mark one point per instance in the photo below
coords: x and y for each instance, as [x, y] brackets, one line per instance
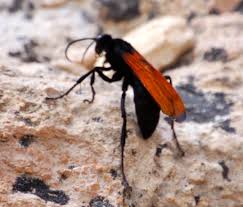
[119, 10]
[99, 201]
[225, 125]
[28, 53]
[216, 54]
[214, 11]
[239, 7]
[26, 6]
[27, 184]
[203, 107]
[225, 172]
[113, 174]
[159, 149]
[26, 140]
[191, 16]
[15, 6]
[97, 119]
[197, 199]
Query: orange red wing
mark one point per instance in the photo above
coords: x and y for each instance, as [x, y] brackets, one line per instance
[159, 88]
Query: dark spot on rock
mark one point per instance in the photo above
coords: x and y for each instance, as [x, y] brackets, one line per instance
[29, 10]
[113, 174]
[87, 16]
[26, 6]
[97, 119]
[159, 149]
[239, 7]
[71, 166]
[68, 39]
[203, 107]
[28, 53]
[27, 184]
[225, 125]
[197, 199]
[214, 11]
[63, 176]
[26, 140]
[191, 16]
[134, 152]
[99, 201]
[216, 54]
[219, 188]
[225, 172]
[14, 53]
[31, 6]
[119, 10]
[15, 6]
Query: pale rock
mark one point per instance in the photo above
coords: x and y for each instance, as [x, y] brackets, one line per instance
[27, 200]
[209, 26]
[74, 147]
[53, 3]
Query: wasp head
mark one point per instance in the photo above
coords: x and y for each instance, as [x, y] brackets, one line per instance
[103, 43]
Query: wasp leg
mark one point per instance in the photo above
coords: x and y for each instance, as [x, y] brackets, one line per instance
[127, 188]
[181, 151]
[78, 82]
[70, 89]
[172, 123]
[92, 80]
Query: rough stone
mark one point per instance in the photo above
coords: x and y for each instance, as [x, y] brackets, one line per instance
[224, 5]
[73, 147]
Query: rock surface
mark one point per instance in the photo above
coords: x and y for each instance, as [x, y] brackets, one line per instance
[66, 152]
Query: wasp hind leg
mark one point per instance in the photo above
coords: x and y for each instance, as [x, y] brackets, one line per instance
[172, 123]
[127, 189]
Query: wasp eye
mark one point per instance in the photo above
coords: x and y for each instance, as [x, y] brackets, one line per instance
[98, 49]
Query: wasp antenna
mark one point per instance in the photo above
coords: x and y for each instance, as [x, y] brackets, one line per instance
[74, 41]
[86, 50]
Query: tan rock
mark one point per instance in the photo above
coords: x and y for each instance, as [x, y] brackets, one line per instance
[224, 5]
[28, 200]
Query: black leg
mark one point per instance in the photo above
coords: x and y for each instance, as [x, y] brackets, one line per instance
[70, 89]
[172, 123]
[181, 151]
[96, 69]
[92, 80]
[127, 188]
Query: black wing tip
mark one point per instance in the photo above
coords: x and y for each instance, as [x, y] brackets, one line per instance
[181, 118]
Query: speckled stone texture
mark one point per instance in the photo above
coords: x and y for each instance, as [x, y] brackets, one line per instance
[67, 152]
